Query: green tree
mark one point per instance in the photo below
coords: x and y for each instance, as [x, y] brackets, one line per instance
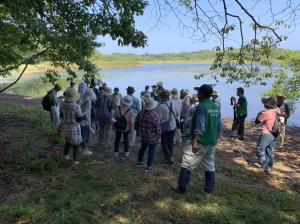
[64, 32]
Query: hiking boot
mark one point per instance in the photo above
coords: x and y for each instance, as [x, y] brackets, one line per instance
[67, 157]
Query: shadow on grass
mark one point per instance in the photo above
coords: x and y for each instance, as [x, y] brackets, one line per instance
[101, 190]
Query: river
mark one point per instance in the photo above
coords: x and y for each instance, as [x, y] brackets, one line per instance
[181, 76]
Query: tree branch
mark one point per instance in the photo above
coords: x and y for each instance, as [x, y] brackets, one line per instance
[27, 61]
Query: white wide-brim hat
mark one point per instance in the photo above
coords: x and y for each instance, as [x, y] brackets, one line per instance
[150, 104]
[72, 95]
[127, 101]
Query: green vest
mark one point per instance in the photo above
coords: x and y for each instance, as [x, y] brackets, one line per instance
[242, 110]
[212, 122]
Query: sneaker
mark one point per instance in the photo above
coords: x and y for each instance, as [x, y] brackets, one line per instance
[241, 138]
[147, 169]
[87, 153]
[67, 157]
[140, 164]
[76, 162]
[116, 154]
[175, 188]
[126, 154]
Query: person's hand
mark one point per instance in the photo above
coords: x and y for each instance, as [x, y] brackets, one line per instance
[196, 146]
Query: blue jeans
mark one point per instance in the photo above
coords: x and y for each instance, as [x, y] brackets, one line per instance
[142, 151]
[85, 134]
[265, 150]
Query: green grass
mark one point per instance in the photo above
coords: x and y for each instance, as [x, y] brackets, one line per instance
[101, 190]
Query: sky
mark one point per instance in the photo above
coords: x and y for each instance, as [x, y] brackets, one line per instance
[169, 37]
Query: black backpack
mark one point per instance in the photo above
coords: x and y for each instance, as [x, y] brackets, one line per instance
[121, 122]
[46, 102]
[277, 126]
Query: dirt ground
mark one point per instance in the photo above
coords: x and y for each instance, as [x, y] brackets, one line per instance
[13, 131]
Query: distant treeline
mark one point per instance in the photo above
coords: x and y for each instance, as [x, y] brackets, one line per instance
[201, 56]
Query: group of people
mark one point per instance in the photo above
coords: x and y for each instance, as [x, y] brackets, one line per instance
[160, 116]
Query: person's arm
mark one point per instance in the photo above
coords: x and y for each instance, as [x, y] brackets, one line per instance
[200, 126]
[157, 124]
[260, 118]
[220, 126]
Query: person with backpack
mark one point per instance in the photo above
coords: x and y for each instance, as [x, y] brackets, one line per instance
[72, 115]
[123, 124]
[269, 120]
[285, 111]
[167, 116]
[104, 114]
[149, 129]
[241, 111]
[205, 131]
[50, 103]
[86, 125]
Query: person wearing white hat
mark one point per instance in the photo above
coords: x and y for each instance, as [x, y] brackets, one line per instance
[105, 112]
[123, 124]
[86, 125]
[149, 128]
[215, 98]
[71, 115]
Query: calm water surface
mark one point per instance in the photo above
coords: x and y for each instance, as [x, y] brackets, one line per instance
[181, 76]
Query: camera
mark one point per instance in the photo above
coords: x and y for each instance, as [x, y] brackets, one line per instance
[232, 100]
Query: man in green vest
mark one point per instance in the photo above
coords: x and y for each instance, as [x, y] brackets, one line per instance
[241, 111]
[206, 128]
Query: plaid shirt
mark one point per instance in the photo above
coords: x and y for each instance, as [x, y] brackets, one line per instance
[70, 112]
[149, 127]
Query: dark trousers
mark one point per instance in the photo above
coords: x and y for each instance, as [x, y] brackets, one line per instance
[67, 148]
[142, 151]
[167, 144]
[185, 176]
[118, 139]
[85, 134]
[239, 125]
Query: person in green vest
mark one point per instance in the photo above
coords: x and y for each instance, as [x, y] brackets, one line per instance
[241, 111]
[205, 131]
[285, 111]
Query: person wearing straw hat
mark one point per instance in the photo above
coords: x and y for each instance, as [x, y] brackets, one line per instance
[71, 115]
[160, 86]
[105, 112]
[167, 117]
[267, 139]
[136, 108]
[205, 132]
[215, 98]
[86, 125]
[149, 128]
[177, 104]
[123, 113]
[285, 111]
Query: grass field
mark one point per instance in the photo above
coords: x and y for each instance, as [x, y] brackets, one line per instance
[38, 186]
